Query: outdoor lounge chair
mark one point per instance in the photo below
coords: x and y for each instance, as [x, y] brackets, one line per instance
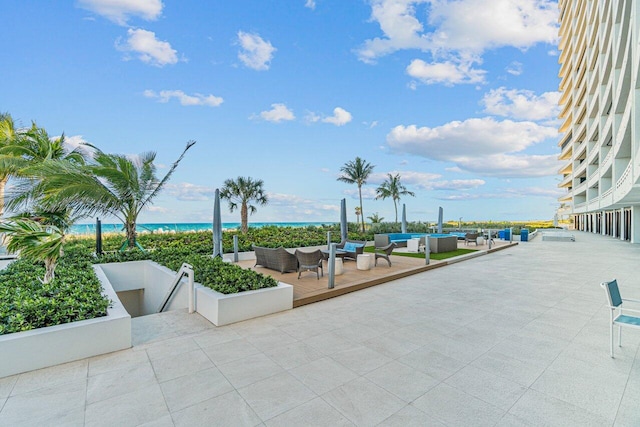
[384, 253]
[621, 319]
[471, 237]
[309, 261]
[353, 248]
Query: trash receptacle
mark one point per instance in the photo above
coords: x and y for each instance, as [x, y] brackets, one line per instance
[524, 235]
[501, 234]
[507, 234]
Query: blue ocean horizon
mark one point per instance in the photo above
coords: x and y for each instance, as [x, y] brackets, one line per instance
[178, 227]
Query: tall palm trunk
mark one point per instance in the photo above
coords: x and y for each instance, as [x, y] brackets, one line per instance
[130, 228]
[244, 218]
[395, 206]
[361, 211]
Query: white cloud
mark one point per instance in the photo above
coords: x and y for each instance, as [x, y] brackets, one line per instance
[459, 32]
[119, 11]
[148, 48]
[406, 177]
[521, 104]
[291, 207]
[311, 4]
[507, 193]
[186, 100]
[278, 113]
[515, 68]
[456, 184]
[256, 53]
[426, 180]
[75, 142]
[187, 192]
[483, 146]
[156, 209]
[484, 24]
[368, 193]
[340, 117]
[448, 72]
[312, 117]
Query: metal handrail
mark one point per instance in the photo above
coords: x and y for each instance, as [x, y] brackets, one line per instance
[185, 269]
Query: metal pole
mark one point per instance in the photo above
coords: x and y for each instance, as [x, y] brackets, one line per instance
[490, 240]
[235, 248]
[329, 240]
[98, 237]
[332, 265]
[510, 234]
[427, 251]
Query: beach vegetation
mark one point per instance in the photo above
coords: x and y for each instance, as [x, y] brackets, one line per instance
[244, 193]
[392, 188]
[357, 172]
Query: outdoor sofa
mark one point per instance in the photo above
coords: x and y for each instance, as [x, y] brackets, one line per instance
[278, 259]
[353, 248]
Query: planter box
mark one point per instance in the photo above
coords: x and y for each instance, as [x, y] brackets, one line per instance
[40, 348]
[151, 281]
[221, 309]
[442, 244]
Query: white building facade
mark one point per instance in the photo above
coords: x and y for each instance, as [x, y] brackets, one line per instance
[600, 113]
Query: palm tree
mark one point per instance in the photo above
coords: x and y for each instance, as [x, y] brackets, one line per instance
[375, 218]
[36, 241]
[8, 136]
[111, 184]
[392, 187]
[356, 172]
[243, 191]
[20, 158]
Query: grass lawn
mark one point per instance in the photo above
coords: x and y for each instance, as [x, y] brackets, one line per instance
[438, 257]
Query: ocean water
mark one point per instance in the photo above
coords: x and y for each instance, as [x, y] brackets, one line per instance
[169, 227]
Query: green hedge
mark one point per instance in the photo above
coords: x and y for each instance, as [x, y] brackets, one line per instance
[25, 303]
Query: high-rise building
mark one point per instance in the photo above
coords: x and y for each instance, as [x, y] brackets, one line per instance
[600, 103]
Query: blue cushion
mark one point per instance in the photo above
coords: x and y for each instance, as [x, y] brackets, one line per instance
[351, 247]
[629, 320]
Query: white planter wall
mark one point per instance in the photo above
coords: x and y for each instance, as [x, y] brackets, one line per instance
[221, 309]
[40, 348]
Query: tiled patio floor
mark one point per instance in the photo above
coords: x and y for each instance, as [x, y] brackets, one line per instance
[518, 338]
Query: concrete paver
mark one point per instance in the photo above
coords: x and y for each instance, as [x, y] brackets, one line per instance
[517, 337]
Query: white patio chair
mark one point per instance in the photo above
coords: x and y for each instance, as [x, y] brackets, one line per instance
[620, 317]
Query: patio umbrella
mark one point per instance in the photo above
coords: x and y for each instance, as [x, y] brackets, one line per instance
[440, 220]
[343, 220]
[217, 226]
[404, 218]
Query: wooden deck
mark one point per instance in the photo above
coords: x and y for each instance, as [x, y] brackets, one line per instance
[308, 289]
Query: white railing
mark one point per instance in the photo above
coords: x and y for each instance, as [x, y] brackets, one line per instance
[624, 183]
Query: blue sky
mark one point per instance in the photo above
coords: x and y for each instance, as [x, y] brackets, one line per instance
[458, 97]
